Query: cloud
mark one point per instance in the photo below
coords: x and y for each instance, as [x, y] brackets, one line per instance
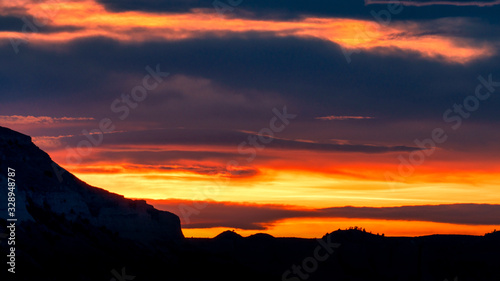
[226, 214]
[79, 20]
[240, 172]
[230, 71]
[234, 83]
[18, 119]
[234, 139]
[10, 23]
[49, 142]
[334, 117]
[130, 168]
[293, 9]
[261, 216]
[443, 3]
[470, 214]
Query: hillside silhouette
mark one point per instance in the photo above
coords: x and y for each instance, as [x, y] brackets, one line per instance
[69, 230]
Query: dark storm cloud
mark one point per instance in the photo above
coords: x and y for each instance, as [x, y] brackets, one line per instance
[286, 9]
[254, 216]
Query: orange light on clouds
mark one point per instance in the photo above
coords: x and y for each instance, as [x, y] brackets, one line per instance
[303, 178]
[313, 179]
[306, 179]
[92, 19]
[317, 227]
[307, 189]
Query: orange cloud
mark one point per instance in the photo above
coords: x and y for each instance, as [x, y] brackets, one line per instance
[92, 19]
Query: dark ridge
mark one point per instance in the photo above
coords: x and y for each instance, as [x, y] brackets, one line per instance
[228, 235]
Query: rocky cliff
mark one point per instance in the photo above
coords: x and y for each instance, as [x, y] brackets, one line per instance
[43, 185]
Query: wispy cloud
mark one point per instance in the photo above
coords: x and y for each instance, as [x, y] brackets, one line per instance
[204, 137]
[48, 142]
[334, 117]
[19, 119]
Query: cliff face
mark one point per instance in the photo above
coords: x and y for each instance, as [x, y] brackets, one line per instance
[42, 184]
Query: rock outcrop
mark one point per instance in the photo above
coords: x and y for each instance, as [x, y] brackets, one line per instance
[42, 184]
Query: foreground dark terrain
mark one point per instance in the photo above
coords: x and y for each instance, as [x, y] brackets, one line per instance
[68, 230]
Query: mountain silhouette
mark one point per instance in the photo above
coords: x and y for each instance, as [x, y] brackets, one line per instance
[43, 184]
[69, 230]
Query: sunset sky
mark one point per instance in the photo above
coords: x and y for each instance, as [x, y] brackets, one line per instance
[293, 118]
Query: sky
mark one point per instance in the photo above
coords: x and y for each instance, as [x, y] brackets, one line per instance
[294, 118]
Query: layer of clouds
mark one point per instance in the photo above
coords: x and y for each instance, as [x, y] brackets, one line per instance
[259, 217]
[223, 87]
[286, 9]
[227, 138]
[233, 84]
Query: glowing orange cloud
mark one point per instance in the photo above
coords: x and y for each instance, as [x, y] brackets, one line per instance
[317, 227]
[92, 19]
[315, 179]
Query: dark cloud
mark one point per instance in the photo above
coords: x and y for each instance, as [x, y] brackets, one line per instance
[10, 23]
[283, 9]
[318, 80]
[222, 171]
[473, 31]
[471, 214]
[172, 160]
[220, 214]
[247, 78]
[259, 217]
[158, 157]
[203, 137]
[273, 9]
[28, 24]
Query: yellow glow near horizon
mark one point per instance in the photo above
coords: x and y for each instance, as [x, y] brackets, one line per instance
[305, 189]
[316, 228]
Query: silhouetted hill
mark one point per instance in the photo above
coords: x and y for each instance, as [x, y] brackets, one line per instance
[228, 235]
[68, 230]
[362, 256]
